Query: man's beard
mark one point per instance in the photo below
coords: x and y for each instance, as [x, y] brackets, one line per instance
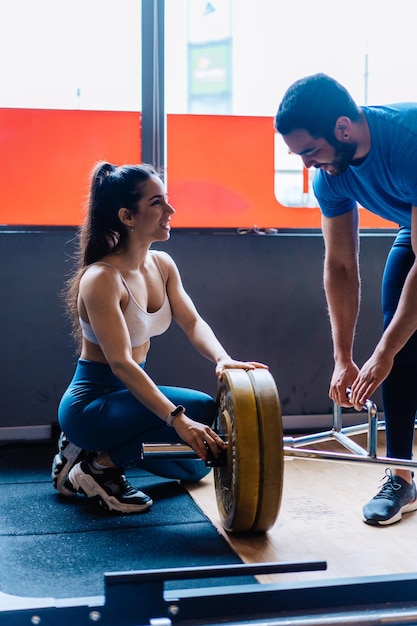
[344, 153]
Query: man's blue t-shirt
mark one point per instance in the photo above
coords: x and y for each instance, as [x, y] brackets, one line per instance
[386, 181]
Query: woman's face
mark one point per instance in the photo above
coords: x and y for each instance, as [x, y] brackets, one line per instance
[153, 216]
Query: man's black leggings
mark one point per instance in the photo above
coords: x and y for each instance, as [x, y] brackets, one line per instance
[399, 390]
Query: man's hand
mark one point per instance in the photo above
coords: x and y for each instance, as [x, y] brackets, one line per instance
[369, 377]
[343, 377]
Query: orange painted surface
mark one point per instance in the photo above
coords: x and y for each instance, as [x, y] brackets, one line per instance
[220, 169]
[46, 157]
[221, 174]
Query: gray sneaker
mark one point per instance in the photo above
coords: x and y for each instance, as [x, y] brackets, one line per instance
[395, 497]
[68, 456]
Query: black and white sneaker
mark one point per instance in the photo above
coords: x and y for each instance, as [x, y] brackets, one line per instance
[110, 486]
[68, 455]
[395, 497]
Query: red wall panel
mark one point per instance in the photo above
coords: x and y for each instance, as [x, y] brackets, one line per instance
[46, 157]
[220, 169]
[221, 174]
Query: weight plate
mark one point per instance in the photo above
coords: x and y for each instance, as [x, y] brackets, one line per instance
[271, 447]
[237, 483]
[249, 487]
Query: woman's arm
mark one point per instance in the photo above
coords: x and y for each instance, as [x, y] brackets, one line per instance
[102, 293]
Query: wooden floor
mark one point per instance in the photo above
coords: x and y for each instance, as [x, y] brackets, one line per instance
[321, 520]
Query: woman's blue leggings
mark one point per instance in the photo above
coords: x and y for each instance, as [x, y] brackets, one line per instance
[399, 390]
[97, 412]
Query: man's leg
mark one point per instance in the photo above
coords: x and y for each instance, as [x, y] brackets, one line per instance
[399, 391]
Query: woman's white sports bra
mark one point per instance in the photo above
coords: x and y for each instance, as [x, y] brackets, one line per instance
[141, 324]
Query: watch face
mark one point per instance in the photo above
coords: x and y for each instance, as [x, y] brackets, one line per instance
[178, 410]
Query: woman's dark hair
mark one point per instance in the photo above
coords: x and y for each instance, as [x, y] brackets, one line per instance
[314, 103]
[111, 188]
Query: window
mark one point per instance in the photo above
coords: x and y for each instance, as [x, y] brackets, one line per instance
[227, 65]
[70, 54]
[368, 46]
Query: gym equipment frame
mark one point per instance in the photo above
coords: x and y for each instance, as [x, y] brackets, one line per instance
[139, 598]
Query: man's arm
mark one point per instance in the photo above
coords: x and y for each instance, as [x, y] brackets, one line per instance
[342, 288]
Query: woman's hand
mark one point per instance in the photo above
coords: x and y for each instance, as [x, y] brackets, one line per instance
[199, 436]
[228, 363]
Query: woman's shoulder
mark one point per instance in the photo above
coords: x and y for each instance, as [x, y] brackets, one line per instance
[101, 272]
[164, 259]
[161, 255]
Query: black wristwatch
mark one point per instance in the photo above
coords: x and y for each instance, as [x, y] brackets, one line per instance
[177, 411]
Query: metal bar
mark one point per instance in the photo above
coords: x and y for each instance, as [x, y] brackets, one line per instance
[295, 450]
[337, 417]
[263, 604]
[365, 617]
[167, 451]
[372, 432]
[153, 97]
[305, 440]
[349, 444]
[357, 429]
[179, 450]
[322, 455]
[216, 571]
[292, 449]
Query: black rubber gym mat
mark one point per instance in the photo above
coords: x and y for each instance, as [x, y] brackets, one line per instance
[57, 547]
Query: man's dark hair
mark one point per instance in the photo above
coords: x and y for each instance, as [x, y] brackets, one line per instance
[314, 103]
